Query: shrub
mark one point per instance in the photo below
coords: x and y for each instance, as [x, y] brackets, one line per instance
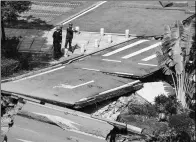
[169, 104]
[145, 110]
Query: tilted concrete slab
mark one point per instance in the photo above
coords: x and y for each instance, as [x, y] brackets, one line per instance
[71, 87]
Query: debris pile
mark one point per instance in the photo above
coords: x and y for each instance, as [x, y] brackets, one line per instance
[113, 110]
[9, 108]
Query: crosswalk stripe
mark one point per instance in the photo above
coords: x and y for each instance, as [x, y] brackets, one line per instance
[123, 73]
[124, 48]
[111, 60]
[147, 64]
[149, 57]
[142, 50]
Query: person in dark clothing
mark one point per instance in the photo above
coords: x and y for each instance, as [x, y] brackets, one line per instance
[69, 36]
[113, 133]
[57, 40]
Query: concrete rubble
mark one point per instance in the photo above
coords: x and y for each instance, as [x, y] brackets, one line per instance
[142, 96]
[112, 110]
[9, 108]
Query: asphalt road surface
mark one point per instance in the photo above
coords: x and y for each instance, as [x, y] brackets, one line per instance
[82, 83]
[29, 130]
[137, 58]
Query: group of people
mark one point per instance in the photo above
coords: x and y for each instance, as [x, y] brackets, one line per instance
[57, 40]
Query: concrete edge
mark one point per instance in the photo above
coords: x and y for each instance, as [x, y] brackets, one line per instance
[87, 101]
[30, 115]
[129, 127]
[103, 96]
[135, 77]
[41, 100]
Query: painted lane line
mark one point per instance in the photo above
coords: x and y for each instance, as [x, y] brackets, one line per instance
[62, 122]
[142, 50]
[72, 87]
[84, 12]
[90, 69]
[123, 73]
[124, 48]
[40, 74]
[149, 57]
[23, 140]
[147, 64]
[120, 87]
[111, 60]
[57, 119]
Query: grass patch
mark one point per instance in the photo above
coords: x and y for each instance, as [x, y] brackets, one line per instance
[14, 63]
[116, 17]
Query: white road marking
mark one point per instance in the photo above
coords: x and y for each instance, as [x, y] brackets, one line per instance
[123, 73]
[23, 140]
[60, 120]
[68, 122]
[142, 50]
[40, 74]
[72, 87]
[147, 64]
[114, 89]
[149, 57]
[90, 69]
[124, 48]
[84, 12]
[111, 60]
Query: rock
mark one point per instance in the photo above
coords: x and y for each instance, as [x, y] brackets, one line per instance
[152, 90]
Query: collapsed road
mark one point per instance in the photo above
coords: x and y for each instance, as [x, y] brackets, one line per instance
[88, 80]
[85, 82]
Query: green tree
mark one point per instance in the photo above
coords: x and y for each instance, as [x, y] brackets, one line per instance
[177, 57]
[10, 11]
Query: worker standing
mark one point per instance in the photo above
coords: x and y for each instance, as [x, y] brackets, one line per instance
[57, 40]
[69, 37]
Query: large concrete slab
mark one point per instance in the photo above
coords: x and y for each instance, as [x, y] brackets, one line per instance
[70, 86]
[29, 130]
[67, 119]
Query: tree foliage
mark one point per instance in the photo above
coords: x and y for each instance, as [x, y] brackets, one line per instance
[177, 57]
[10, 10]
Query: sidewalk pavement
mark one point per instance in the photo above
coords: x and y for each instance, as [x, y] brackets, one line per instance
[37, 41]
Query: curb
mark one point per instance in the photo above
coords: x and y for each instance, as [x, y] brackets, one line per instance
[94, 5]
[118, 34]
[106, 95]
